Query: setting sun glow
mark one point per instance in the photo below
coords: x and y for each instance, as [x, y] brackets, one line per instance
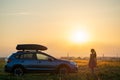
[79, 37]
[63, 26]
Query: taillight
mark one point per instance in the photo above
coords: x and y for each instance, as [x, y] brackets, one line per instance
[9, 60]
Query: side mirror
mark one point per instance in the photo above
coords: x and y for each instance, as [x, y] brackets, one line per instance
[50, 59]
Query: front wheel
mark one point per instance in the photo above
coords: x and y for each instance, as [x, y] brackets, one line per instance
[63, 70]
[18, 71]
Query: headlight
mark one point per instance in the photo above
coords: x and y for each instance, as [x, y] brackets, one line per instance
[73, 63]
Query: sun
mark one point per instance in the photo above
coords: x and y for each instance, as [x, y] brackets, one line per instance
[79, 36]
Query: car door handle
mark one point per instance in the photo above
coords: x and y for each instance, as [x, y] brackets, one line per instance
[22, 61]
[39, 61]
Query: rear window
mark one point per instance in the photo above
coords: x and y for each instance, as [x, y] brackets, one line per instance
[26, 56]
[17, 56]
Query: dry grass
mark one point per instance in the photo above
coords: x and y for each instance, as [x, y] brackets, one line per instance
[105, 70]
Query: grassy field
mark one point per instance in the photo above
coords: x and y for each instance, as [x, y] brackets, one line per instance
[105, 70]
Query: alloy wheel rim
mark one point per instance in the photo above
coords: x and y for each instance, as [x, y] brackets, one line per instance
[18, 72]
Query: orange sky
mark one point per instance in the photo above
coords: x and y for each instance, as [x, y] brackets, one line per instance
[52, 23]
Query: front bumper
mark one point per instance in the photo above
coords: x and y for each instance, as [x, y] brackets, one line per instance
[74, 70]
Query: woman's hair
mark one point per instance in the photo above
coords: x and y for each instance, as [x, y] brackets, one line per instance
[93, 51]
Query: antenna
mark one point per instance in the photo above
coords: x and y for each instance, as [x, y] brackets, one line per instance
[103, 57]
[67, 55]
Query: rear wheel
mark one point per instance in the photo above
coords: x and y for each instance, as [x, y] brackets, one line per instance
[18, 71]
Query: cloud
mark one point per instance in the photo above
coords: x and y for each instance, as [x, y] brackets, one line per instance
[23, 13]
[15, 13]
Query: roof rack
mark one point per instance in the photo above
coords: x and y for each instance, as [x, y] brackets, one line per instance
[30, 47]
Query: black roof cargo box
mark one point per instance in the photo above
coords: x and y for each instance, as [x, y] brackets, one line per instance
[30, 47]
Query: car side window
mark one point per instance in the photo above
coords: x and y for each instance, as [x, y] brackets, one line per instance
[17, 56]
[42, 57]
[27, 56]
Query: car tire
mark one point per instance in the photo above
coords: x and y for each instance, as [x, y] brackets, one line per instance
[63, 70]
[18, 71]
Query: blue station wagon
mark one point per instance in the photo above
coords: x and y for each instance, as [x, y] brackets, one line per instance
[32, 60]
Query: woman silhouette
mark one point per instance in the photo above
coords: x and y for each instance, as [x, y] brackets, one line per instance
[92, 60]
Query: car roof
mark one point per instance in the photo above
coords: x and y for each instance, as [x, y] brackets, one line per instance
[33, 52]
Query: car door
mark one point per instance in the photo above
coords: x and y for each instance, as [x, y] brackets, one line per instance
[28, 60]
[45, 62]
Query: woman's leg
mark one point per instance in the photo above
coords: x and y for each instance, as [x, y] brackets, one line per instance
[92, 70]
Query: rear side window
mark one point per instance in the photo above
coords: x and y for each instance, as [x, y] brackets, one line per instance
[17, 56]
[27, 56]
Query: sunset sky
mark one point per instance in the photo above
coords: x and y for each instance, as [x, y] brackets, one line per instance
[64, 26]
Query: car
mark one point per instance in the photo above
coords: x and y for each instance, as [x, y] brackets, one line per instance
[32, 58]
